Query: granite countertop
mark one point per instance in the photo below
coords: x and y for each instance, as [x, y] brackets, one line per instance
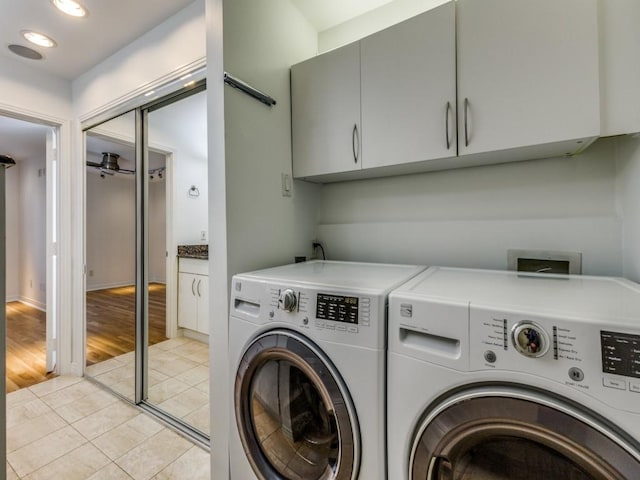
[194, 251]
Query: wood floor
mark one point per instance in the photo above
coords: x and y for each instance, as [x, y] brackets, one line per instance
[110, 332]
[110, 321]
[26, 346]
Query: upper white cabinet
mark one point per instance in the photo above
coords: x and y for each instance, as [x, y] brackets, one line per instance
[528, 75]
[409, 90]
[325, 102]
[470, 82]
[620, 68]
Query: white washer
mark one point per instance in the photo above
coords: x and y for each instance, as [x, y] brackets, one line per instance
[308, 351]
[507, 375]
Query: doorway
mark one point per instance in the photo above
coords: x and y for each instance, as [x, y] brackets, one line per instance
[31, 277]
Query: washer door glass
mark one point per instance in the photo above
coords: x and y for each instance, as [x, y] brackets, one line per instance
[293, 414]
[501, 438]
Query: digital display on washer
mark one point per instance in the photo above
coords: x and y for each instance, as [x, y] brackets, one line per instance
[337, 308]
[620, 353]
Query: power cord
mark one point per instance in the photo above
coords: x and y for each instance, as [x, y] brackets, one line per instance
[319, 245]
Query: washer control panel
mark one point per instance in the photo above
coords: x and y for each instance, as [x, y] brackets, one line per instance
[343, 317]
[601, 362]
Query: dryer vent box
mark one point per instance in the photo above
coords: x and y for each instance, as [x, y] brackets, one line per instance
[545, 261]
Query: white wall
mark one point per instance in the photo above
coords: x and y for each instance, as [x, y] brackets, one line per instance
[253, 226]
[470, 217]
[177, 42]
[157, 230]
[13, 254]
[26, 232]
[261, 42]
[29, 90]
[181, 127]
[33, 234]
[110, 231]
[628, 165]
[373, 21]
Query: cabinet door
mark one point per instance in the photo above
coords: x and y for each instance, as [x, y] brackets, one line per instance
[409, 90]
[202, 290]
[527, 73]
[187, 301]
[325, 102]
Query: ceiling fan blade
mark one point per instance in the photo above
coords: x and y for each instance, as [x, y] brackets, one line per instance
[93, 164]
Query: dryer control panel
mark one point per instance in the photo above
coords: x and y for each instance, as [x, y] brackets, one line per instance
[601, 362]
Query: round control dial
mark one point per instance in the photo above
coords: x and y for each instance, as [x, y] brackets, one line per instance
[287, 300]
[530, 339]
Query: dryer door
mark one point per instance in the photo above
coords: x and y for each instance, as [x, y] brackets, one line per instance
[293, 412]
[513, 434]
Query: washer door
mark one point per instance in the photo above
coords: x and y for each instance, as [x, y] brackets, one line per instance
[513, 435]
[294, 415]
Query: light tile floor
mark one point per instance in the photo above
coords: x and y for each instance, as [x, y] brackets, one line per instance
[69, 428]
[178, 378]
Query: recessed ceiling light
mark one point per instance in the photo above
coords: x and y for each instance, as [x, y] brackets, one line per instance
[70, 8]
[39, 39]
[25, 52]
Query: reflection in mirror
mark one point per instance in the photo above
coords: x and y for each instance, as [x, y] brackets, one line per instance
[178, 368]
[111, 254]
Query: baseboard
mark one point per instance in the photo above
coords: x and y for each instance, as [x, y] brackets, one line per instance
[193, 335]
[33, 303]
[105, 286]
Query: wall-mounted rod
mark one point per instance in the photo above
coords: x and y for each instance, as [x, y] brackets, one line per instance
[248, 89]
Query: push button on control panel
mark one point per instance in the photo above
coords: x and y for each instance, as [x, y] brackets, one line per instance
[490, 356]
[576, 374]
[614, 383]
[634, 387]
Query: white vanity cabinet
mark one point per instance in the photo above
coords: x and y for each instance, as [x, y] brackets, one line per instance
[325, 103]
[528, 77]
[193, 294]
[467, 83]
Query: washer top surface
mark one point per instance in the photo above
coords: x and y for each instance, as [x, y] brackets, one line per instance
[584, 297]
[377, 278]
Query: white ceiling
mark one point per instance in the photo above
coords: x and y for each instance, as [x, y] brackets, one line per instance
[82, 42]
[325, 14]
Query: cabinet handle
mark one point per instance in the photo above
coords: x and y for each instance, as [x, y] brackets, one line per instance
[193, 284]
[199, 288]
[355, 142]
[466, 122]
[447, 114]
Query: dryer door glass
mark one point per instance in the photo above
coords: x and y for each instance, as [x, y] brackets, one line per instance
[292, 412]
[502, 438]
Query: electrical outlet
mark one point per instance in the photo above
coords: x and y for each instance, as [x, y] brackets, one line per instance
[203, 235]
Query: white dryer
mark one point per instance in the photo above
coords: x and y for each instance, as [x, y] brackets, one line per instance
[308, 350]
[504, 375]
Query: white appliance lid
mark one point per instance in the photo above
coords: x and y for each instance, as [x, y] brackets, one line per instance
[585, 297]
[375, 277]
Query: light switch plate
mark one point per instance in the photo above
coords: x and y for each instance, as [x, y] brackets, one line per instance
[286, 184]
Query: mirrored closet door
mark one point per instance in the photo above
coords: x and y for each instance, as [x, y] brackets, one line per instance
[147, 336]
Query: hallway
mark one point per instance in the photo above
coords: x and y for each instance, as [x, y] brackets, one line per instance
[26, 346]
